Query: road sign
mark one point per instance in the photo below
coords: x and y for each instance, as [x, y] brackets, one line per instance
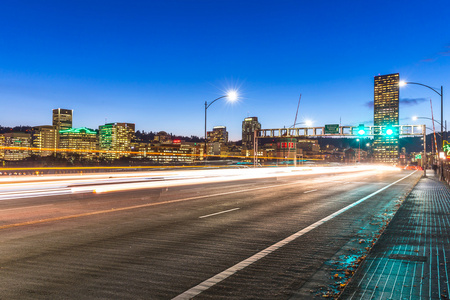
[418, 156]
[332, 129]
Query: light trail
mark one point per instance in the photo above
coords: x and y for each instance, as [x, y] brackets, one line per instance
[107, 182]
[33, 222]
[184, 180]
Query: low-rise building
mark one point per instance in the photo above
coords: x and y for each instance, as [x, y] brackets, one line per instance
[19, 140]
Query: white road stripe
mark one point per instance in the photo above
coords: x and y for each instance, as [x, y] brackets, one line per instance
[218, 213]
[309, 191]
[196, 290]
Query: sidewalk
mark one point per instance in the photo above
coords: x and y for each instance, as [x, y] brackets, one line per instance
[412, 258]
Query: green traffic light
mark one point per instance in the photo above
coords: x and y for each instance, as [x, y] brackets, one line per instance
[389, 131]
[361, 132]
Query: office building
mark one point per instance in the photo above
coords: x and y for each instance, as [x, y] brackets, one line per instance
[386, 110]
[45, 138]
[82, 141]
[62, 118]
[16, 139]
[117, 138]
[249, 125]
[219, 135]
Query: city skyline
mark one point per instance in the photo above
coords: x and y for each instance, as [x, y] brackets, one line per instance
[155, 63]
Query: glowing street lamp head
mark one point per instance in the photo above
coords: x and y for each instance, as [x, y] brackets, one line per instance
[402, 83]
[414, 118]
[308, 123]
[232, 95]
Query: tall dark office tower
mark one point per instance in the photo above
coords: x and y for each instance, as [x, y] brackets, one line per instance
[249, 125]
[62, 118]
[386, 107]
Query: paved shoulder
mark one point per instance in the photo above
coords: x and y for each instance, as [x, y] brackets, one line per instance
[411, 259]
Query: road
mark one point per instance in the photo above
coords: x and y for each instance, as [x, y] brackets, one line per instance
[249, 237]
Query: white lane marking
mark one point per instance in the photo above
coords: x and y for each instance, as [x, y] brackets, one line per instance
[218, 213]
[309, 191]
[203, 286]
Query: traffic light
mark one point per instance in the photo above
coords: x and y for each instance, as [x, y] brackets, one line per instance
[361, 130]
[390, 130]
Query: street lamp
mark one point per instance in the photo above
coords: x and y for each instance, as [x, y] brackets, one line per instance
[441, 94]
[415, 118]
[231, 95]
[307, 123]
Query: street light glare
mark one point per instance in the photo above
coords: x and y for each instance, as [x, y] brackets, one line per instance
[308, 123]
[414, 118]
[402, 83]
[232, 95]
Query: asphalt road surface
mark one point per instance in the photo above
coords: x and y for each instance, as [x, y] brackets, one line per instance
[257, 238]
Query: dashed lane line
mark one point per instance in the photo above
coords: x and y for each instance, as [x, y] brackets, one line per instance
[219, 213]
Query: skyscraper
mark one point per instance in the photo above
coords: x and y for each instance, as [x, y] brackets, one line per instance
[386, 109]
[249, 125]
[62, 118]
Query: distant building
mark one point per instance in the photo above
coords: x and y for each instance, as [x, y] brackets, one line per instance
[219, 134]
[116, 137]
[16, 139]
[217, 140]
[286, 149]
[45, 138]
[386, 110]
[249, 125]
[166, 153]
[78, 140]
[2, 151]
[308, 146]
[163, 138]
[62, 118]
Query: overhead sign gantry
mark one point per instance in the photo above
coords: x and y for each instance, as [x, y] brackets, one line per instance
[331, 130]
[336, 130]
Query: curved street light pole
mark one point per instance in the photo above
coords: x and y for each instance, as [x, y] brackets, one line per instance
[442, 100]
[206, 108]
[231, 95]
[415, 118]
[442, 117]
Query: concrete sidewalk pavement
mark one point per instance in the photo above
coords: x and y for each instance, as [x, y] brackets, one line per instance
[411, 260]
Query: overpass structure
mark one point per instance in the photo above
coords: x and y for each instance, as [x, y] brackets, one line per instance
[334, 130]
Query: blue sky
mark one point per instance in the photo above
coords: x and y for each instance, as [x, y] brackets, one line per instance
[155, 63]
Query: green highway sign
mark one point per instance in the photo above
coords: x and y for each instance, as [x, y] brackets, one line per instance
[418, 156]
[332, 129]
